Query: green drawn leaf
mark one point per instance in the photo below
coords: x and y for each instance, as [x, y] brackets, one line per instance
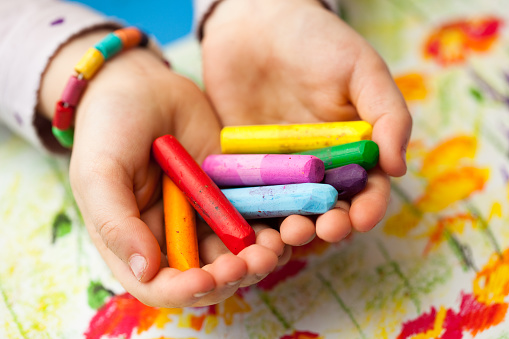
[61, 226]
[97, 294]
[476, 94]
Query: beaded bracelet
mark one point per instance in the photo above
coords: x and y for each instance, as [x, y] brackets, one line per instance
[112, 44]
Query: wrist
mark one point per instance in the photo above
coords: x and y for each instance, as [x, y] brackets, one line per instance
[61, 67]
[239, 12]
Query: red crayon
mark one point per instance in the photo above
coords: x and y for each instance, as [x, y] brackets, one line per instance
[203, 194]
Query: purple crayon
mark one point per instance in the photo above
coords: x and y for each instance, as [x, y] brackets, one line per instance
[347, 180]
[263, 169]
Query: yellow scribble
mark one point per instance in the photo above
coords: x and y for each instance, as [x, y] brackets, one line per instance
[402, 223]
[448, 155]
[452, 186]
[231, 306]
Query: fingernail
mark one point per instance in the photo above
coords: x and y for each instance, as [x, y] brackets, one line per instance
[199, 295]
[309, 240]
[138, 265]
[233, 283]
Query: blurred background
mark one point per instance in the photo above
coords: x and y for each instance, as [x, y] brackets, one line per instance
[167, 20]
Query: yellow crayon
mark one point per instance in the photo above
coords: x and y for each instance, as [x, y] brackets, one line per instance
[180, 226]
[292, 138]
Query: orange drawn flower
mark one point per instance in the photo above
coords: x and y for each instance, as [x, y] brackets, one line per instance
[209, 319]
[492, 282]
[412, 86]
[453, 42]
[453, 224]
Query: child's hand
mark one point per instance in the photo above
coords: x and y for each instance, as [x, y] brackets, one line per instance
[131, 101]
[292, 61]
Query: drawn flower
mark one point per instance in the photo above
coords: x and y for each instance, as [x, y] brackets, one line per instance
[302, 335]
[207, 318]
[452, 43]
[122, 314]
[473, 316]
[492, 282]
[448, 155]
[412, 86]
[427, 325]
[447, 225]
[452, 186]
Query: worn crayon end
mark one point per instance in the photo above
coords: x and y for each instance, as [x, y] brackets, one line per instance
[347, 180]
[369, 153]
[322, 199]
[204, 195]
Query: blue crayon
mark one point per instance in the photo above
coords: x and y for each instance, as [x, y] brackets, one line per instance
[282, 200]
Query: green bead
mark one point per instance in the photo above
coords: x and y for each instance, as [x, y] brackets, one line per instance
[364, 153]
[64, 137]
[109, 46]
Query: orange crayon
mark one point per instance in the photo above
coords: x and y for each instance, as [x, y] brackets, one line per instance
[180, 226]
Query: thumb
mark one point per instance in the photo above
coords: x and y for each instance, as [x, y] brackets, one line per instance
[108, 204]
[379, 102]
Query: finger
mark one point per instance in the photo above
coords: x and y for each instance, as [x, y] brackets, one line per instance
[334, 225]
[269, 238]
[152, 218]
[369, 206]
[379, 101]
[169, 288]
[297, 230]
[228, 271]
[260, 262]
[104, 192]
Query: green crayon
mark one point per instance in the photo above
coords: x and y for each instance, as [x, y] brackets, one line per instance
[364, 153]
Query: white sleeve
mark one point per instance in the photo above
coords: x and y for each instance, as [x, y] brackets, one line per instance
[32, 31]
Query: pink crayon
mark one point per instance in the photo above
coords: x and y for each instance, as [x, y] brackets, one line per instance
[263, 169]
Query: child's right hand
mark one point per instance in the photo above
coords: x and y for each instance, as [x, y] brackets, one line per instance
[131, 101]
[293, 61]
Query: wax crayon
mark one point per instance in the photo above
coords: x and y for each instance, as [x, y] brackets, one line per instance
[364, 153]
[347, 180]
[180, 227]
[203, 194]
[291, 138]
[263, 169]
[282, 200]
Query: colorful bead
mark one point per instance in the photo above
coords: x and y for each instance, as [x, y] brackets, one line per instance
[63, 116]
[89, 63]
[86, 68]
[64, 137]
[73, 90]
[109, 46]
[130, 36]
